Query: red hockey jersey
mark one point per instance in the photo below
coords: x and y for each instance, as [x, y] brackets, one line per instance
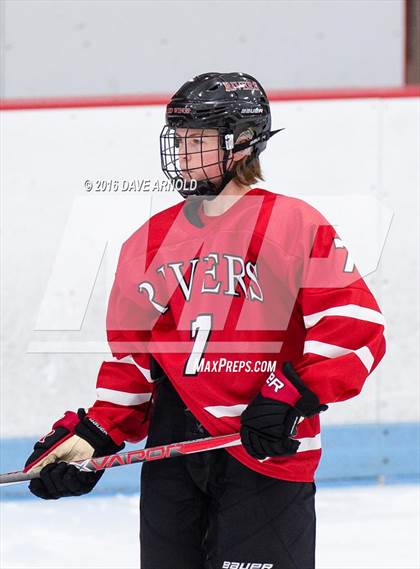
[220, 303]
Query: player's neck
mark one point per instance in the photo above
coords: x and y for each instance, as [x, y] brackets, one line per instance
[227, 197]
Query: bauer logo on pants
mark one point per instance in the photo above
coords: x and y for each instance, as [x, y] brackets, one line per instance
[246, 565]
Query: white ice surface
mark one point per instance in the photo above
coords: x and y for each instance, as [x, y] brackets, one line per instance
[373, 527]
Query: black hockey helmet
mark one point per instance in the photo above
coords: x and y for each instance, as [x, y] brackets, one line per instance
[231, 104]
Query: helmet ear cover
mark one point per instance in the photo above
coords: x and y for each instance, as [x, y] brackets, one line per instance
[256, 141]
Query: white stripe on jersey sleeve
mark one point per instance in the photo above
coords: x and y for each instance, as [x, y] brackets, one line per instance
[130, 360]
[310, 443]
[349, 311]
[122, 397]
[226, 410]
[333, 351]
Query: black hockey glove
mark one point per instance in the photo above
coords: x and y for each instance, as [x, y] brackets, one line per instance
[74, 437]
[271, 419]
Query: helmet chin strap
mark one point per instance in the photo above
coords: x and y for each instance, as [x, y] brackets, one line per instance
[208, 189]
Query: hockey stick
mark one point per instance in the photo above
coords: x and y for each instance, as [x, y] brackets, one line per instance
[134, 456]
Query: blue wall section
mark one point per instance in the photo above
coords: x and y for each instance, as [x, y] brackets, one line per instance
[370, 451]
[351, 454]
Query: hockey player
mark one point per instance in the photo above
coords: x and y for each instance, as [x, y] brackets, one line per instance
[237, 309]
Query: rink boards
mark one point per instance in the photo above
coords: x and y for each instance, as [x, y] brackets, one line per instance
[356, 160]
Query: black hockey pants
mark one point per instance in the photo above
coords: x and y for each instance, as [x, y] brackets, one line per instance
[208, 511]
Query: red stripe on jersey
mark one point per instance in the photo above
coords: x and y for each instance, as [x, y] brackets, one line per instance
[323, 241]
[122, 377]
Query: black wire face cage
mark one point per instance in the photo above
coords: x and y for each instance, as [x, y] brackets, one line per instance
[186, 156]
